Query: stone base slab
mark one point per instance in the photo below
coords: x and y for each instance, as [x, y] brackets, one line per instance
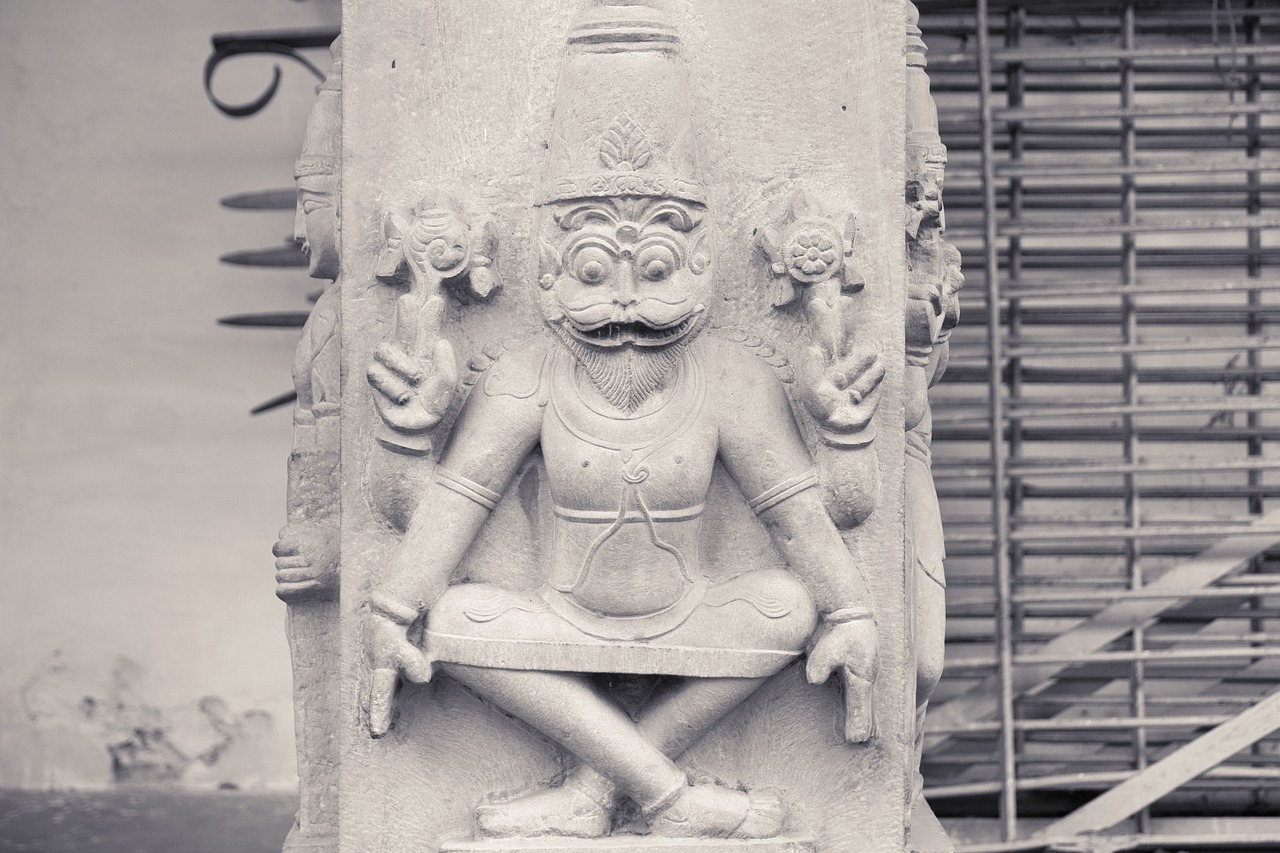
[631, 844]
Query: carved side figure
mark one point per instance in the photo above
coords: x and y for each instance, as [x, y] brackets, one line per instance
[631, 405]
[307, 550]
[933, 282]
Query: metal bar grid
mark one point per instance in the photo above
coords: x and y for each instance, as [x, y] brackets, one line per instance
[1044, 199]
[999, 509]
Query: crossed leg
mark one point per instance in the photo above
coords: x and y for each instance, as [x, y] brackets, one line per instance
[619, 755]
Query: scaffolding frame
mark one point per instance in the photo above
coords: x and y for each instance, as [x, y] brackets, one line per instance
[1111, 219]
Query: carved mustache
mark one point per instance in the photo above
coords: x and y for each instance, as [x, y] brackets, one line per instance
[654, 313]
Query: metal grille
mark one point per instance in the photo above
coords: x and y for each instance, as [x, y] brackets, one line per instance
[1114, 186]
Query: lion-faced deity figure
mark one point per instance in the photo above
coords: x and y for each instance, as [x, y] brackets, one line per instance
[631, 407]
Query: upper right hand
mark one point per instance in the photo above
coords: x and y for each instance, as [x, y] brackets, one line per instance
[839, 380]
[414, 372]
[389, 655]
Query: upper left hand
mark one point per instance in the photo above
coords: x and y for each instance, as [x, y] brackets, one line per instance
[850, 649]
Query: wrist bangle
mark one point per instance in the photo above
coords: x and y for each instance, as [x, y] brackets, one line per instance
[399, 613]
[851, 440]
[847, 614]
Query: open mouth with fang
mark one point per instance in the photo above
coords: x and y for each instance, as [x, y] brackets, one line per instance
[639, 333]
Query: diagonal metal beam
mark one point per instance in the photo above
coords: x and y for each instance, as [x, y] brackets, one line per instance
[1179, 767]
[1110, 624]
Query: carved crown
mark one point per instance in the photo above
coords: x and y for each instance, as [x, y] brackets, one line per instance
[623, 122]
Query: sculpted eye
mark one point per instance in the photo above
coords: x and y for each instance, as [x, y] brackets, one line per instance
[310, 205]
[592, 265]
[656, 263]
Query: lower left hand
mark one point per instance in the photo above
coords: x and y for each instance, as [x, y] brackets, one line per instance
[850, 649]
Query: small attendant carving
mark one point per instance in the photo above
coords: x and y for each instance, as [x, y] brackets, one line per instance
[933, 309]
[307, 558]
[631, 406]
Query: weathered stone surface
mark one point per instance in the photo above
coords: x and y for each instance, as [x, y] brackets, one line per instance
[307, 553]
[622, 416]
[633, 844]
[933, 310]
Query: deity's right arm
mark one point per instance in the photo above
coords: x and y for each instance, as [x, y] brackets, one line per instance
[494, 434]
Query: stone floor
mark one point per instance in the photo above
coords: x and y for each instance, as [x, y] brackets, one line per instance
[144, 820]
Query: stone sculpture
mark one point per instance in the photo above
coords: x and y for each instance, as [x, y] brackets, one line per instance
[622, 518]
[933, 282]
[307, 550]
[630, 406]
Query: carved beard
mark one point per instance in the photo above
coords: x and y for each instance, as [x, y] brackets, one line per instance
[627, 375]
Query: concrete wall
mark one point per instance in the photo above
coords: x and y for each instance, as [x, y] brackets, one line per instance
[139, 637]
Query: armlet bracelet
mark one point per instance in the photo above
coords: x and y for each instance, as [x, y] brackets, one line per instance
[487, 498]
[847, 614]
[779, 493]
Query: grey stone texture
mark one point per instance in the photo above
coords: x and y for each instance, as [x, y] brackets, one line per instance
[777, 136]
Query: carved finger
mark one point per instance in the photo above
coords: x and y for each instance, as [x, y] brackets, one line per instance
[295, 574]
[844, 333]
[820, 666]
[825, 320]
[286, 542]
[869, 380]
[284, 547]
[415, 666]
[859, 708]
[430, 325]
[389, 384]
[286, 591]
[382, 692]
[444, 380]
[820, 397]
[407, 322]
[852, 368]
[399, 362]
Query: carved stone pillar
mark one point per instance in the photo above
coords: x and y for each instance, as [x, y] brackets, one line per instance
[623, 463]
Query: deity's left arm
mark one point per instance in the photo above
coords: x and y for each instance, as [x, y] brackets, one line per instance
[761, 447]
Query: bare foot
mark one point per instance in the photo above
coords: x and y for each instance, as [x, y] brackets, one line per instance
[582, 807]
[714, 811]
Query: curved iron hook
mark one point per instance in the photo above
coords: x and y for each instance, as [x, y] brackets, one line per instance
[281, 43]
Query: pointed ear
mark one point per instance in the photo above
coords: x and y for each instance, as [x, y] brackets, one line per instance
[699, 254]
[548, 258]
